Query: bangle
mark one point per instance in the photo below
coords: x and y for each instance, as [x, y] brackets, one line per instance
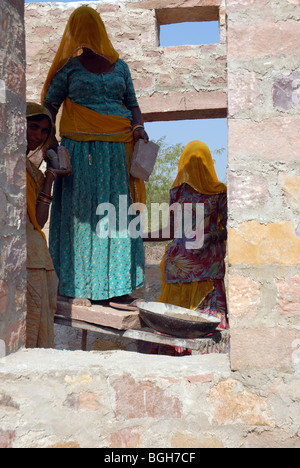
[51, 172]
[44, 195]
[138, 126]
[44, 201]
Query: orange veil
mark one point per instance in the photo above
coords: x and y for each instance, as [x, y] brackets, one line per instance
[85, 28]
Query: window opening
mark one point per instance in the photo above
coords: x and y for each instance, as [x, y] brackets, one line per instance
[213, 132]
[173, 136]
[189, 33]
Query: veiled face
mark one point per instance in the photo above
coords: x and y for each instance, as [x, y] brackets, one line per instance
[37, 132]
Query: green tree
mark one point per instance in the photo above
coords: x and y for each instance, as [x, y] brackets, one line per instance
[165, 170]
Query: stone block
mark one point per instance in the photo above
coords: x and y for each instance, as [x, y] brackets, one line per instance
[2, 349]
[100, 315]
[15, 169]
[4, 27]
[15, 336]
[262, 348]
[246, 191]
[288, 296]
[286, 91]
[127, 437]
[262, 38]
[252, 243]
[236, 5]
[274, 439]
[141, 399]
[243, 91]
[291, 189]
[235, 404]
[3, 297]
[3, 114]
[14, 253]
[243, 296]
[16, 77]
[2, 92]
[274, 139]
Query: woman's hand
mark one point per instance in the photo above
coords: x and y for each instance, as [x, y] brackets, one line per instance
[206, 243]
[53, 143]
[64, 172]
[140, 134]
[59, 172]
[213, 238]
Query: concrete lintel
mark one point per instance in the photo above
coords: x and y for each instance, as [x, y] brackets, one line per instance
[181, 106]
[186, 14]
[185, 115]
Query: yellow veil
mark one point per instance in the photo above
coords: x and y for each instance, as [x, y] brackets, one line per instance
[196, 168]
[85, 28]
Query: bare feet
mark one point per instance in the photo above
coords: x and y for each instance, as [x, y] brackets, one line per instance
[80, 301]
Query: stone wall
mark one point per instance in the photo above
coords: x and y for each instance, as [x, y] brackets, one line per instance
[264, 183]
[250, 398]
[64, 399]
[12, 176]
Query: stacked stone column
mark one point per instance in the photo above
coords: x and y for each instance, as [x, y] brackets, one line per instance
[12, 177]
[264, 182]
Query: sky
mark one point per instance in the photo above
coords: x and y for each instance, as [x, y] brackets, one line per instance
[213, 132]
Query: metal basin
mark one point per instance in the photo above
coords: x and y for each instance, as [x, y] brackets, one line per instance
[176, 321]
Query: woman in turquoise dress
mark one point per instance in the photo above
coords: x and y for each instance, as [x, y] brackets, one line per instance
[100, 122]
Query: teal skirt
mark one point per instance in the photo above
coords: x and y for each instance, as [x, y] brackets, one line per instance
[93, 253]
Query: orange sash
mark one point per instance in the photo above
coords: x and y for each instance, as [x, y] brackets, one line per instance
[80, 123]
